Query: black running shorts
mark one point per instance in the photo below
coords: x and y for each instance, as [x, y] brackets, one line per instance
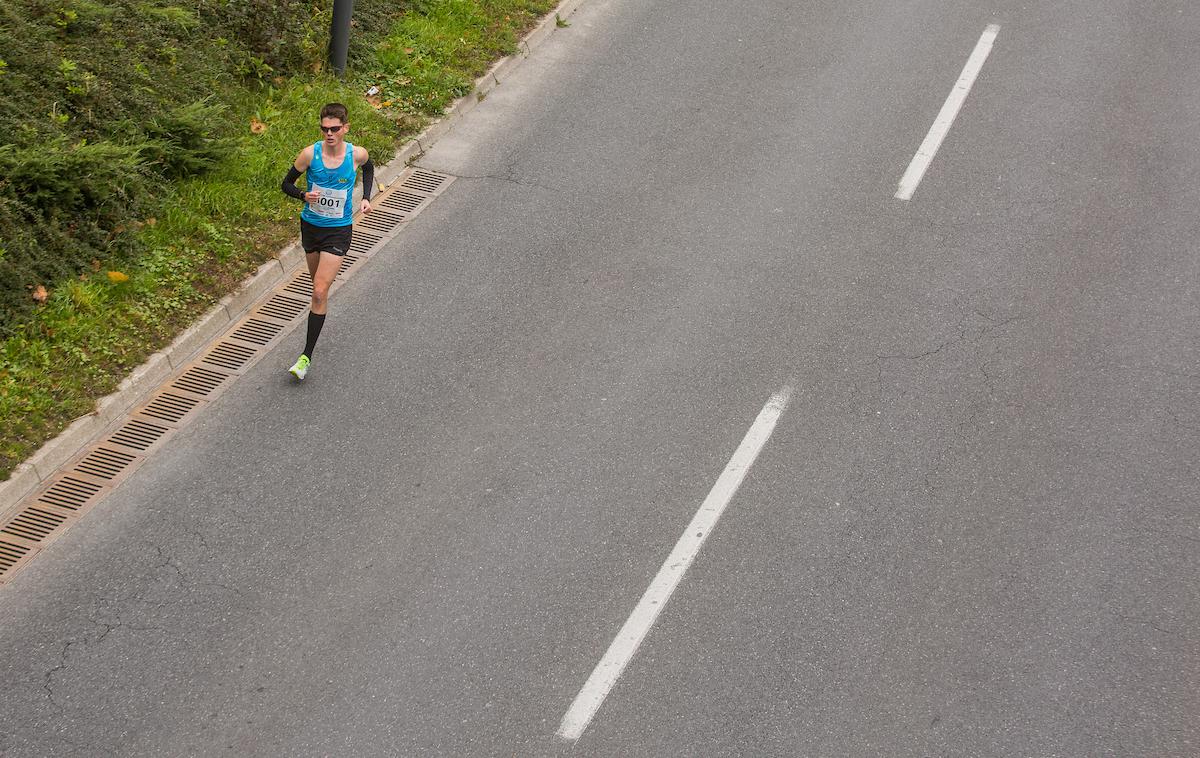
[325, 239]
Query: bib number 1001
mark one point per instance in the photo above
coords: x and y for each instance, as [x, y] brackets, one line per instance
[331, 203]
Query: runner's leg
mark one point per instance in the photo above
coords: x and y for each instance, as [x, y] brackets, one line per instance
[323, 275]
[326, 269]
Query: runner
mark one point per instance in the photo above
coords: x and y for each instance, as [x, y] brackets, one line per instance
[325, 223]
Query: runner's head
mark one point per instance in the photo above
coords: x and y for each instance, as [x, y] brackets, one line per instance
[333, 123]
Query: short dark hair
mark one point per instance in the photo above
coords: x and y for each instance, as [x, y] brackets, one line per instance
[334, 110]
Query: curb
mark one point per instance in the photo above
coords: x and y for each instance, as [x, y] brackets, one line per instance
[143, 380]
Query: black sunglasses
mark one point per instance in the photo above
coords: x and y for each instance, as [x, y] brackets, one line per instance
[331, 129]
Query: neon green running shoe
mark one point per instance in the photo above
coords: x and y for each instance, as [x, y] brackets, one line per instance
[300, 367]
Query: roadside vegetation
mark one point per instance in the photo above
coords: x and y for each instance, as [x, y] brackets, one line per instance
[141, 147]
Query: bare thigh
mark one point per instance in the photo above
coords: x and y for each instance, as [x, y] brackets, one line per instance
[323, 267]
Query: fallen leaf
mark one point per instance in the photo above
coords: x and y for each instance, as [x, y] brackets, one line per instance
[256, 126]
[150, 221]
[95, 264]
[40, 294]
[408, 51]
[375, 101]
[116, 277]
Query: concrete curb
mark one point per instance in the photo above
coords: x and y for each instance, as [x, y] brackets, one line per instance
[22, 481]
[196, 336]
[78, 434]
[267, 276]
[146, 378]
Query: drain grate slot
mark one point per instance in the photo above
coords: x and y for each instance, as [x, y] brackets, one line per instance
[283, 307]
[70, 493]
[229, 355]
[381, 221]
[424, 181]
[404, 202]
[10, 553]
[139, 434]
[348, 260]
[13, 554]
[104, 463]
[300, 285]
[34, 524]
[199, 381]
[169, 407]
[362, 242]
[256, 331]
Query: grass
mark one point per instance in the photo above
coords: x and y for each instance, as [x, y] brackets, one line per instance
[207, 233]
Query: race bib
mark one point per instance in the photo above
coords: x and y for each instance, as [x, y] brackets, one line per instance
[331, 203]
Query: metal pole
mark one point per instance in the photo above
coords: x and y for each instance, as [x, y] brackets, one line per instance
[339, 34]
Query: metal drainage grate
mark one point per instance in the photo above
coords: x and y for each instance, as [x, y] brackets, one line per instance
[362, 242]
[12, 555]
[169, 407]
[70, 493]
[424, 181]
[105, 463]
[404, 202]
[228, 355]
[198, 380]
[139, 434]
[301, 285]
[34, 524]
[348, 260]
[256, 331]
[283, 307]
[381, 221]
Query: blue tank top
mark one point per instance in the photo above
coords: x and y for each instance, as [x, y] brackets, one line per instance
[336, 186]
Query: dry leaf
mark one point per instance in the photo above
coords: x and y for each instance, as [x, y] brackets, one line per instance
[116, 277]
[375, 101]
[40, 294]
[256, 126]
[150, 221]
[95, 264]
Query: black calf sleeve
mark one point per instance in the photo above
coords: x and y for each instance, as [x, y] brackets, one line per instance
[315, 322]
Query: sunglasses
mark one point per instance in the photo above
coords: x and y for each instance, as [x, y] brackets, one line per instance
[332, 129]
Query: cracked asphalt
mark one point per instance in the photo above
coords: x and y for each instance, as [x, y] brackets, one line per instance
[974, 532]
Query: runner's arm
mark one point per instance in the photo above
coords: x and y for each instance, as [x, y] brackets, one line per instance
[289, 184]
[368, 170]
[299, 166]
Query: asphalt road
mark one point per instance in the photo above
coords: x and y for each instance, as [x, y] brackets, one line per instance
[974, 531]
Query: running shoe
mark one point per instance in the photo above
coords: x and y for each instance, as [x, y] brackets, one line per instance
[300, 367]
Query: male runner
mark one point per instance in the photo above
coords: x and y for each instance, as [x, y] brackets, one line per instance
[325, 223]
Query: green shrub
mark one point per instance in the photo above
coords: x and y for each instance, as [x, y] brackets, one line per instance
[180, 143]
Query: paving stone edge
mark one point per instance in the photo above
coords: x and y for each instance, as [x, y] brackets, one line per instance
[26, 477]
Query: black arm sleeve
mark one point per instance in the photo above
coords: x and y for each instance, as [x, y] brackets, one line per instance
[368, 179]
[289, 184]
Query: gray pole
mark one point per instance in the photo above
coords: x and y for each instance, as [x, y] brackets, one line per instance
[339, 34]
